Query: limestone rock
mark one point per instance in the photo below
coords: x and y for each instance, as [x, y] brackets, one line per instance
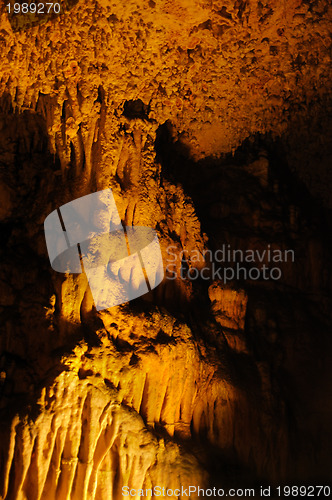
[211, 123]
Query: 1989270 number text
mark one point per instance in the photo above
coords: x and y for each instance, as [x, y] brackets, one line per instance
[33, 8]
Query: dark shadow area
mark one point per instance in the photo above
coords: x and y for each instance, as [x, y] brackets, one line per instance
[28, 335]
[136, 109]
[235, 176]
[251, 200]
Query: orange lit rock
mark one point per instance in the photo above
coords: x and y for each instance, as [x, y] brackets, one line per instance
[152, 99]
[228, 305]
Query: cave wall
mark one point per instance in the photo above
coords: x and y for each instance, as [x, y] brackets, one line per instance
[211, 122]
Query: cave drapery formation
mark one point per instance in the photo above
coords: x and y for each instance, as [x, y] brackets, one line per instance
[211, 122]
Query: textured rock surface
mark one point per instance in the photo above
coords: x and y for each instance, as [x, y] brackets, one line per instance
[211, 122]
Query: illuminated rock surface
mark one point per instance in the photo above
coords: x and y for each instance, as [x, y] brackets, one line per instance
[195, 383]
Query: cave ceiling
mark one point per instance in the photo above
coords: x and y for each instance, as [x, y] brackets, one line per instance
[211, 121]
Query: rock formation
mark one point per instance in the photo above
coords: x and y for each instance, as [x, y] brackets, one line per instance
[211, 123]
